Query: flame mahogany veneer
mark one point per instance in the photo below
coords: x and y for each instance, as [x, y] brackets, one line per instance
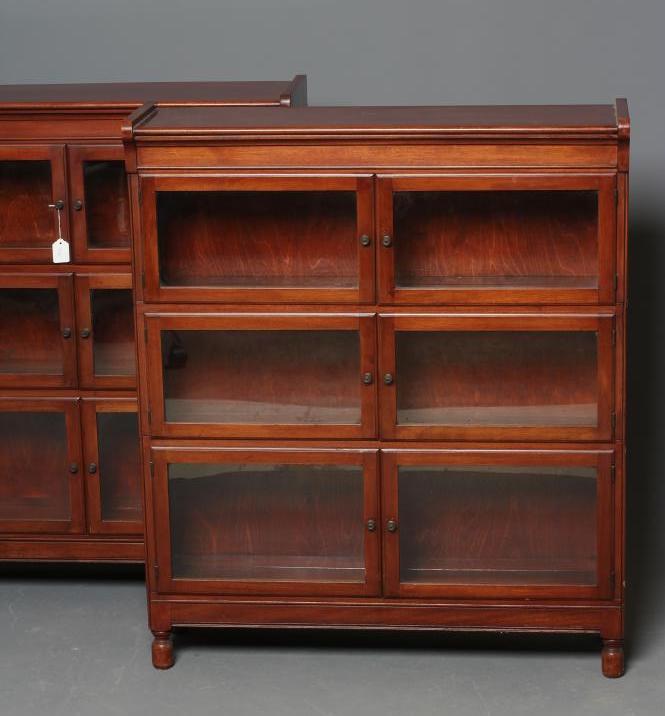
[381, 367]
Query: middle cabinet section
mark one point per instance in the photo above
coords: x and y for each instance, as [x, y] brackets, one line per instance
[451, 376]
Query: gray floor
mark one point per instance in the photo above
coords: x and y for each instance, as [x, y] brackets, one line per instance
[75, 642]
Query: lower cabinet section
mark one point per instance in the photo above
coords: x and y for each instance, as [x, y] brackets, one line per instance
[453, 523]
[266, 521]
[498, 524]
[473, 537]
[113, 465]
[41, 488]
[69, 472]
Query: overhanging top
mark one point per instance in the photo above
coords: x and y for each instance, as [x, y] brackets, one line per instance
[124, 97]
[228, 123]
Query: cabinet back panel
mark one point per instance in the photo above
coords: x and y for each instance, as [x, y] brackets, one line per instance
[497, 378]
[33, 465]
[30, 338]
[496, 238]
[25, 193]
[258, 239]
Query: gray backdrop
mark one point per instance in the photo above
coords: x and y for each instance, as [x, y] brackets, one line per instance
[417, 52]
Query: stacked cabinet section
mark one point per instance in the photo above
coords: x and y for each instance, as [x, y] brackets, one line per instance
[71, 467]
[396, 388]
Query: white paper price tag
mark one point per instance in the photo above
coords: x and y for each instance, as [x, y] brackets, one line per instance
[60, 249]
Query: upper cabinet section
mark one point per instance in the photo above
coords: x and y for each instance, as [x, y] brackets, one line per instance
[497, 239]
[32, 202]
[455, 205]
[99, 205]
[279, 239]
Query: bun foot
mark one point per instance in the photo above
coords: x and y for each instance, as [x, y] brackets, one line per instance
[613, 658]
[162, 650]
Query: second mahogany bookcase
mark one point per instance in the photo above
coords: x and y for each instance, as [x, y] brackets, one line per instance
[381, 367]
[70, 486]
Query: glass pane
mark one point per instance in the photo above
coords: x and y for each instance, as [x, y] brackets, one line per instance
[497, 525]
[119, 466]
[25, 193]
[34, 466]
[30, 337]
[262, 377]
[113, 331]
[258, 239]
[496, 239]
[106, 204]
[497, 378]
[267, 522]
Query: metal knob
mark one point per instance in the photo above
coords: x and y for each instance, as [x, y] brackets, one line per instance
[365, 240]
[92, 468]
[388, 378]
[66, 332]
[78, 205]
[74, 468]
[391, 526]
[85, 333]
[58, 205]
[387, 241]
[367, 378]
[371, 525]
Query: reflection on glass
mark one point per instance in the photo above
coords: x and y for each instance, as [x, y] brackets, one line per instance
[498, 525]
[261, 377]
[25, 193]
[34, 466]
[113, 331]
[267, 522]
[497, 378]
[30, 335]
[106, 204]
[496, 239]
[258, 239]
[119, 466]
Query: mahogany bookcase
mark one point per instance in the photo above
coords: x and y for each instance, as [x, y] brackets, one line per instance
[70, 485]
[381, 366]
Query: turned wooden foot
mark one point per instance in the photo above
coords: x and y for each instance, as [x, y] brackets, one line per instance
[612, 658]
[162, 650]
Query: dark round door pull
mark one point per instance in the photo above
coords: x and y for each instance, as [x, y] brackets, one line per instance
[367, 378]
[85, 333]
[365, 240]
[387, 241]
[66, 332]
[74, 468]
[388, 378]
[92, 468]
[58, 205]
[371, 525]
[391, 526]
[78, 205]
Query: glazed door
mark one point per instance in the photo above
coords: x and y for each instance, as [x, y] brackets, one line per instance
[266, 521]
[40, 472]
[37, 344]
[100, 213]
[498, 524]
[279, 239]
[105, 316]
[497, 239]
[261, 375]
[32, 196]
[497, 377]
[111, 449]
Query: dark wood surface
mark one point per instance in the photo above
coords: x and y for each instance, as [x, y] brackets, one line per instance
[496, 319]
[518, 119]
[126, 96]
